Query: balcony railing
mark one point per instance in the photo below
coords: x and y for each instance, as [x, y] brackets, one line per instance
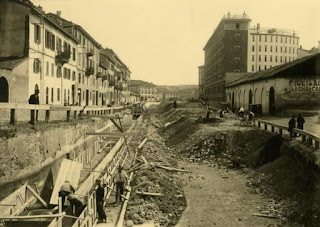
[63, 57]
[90, 53]
[99, 75]
[104, 77]
[89, 71]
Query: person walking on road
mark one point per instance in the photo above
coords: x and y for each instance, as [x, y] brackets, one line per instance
[208, 112]
[100, 201]
[120, 180]
[292, 125]
[65, 190]
[300, 121]
[241, 112]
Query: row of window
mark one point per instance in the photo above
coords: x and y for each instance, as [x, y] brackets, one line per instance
[50, 95]
[52, 42]
[271, 58]
[275, 38]
[276, 48]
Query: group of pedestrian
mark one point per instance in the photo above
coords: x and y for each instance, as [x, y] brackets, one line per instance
[77, 204]
[293, 123]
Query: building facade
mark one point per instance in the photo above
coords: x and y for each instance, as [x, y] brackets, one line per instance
[50, 53]
[292, 85]
[147, 91]
[225, 51]
[61, 59]
[269, 47]
[201, 81]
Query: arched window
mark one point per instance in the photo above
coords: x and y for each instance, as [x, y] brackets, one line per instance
[52, 95]
[47, 95]
[4, 90]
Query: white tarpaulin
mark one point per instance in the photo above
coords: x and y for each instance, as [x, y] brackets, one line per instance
[69, 170]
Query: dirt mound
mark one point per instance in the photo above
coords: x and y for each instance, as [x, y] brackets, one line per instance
[179, 131]
[292, 180]
[249, 147]
[167, 208]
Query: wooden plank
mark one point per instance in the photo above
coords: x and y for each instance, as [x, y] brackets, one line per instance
[23, 106]
[142, 143]
[148, 193]
[69, 170]
[173, 169]
[31, 216]
[102, 116]
[111, 134]
[116, 124]
[37, 196]
[144, 159]
[264, 215]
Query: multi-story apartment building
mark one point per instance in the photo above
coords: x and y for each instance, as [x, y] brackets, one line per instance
[146, 91]
[47, 54]
[89, 86]
[225, 51]
[269, 47]
[201, 81]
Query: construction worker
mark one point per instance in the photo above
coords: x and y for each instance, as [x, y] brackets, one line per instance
[100, 201]
[65, 190]
[120, 180]
[77, 202]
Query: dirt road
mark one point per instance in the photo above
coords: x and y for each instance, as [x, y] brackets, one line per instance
[219, 197]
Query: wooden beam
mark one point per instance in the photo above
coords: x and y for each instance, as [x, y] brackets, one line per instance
[37, 196]
[110, 134]
[116, 124]
[173, 169]
[148, 193]
[144, 159]
[102, 116]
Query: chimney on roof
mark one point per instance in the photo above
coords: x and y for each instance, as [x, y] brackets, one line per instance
[59, 13]
[300, 47]
[228, 15]
[258, 27]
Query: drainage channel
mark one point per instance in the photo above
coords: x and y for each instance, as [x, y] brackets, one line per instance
[120, 154]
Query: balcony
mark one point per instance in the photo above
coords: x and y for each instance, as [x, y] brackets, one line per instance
[111, 83]
[90, 53]
[62, 57]
[104, 77]
[90, 71]
[99, 75]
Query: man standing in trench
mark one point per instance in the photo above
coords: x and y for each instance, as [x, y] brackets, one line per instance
[120, 180]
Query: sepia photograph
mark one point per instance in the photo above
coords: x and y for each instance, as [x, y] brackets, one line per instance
[159, 113]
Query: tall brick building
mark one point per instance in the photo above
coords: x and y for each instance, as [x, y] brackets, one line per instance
[225, 51]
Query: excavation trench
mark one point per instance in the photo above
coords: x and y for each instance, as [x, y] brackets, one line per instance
[280, 172]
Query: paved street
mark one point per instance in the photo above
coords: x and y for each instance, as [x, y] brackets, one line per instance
[311, 124]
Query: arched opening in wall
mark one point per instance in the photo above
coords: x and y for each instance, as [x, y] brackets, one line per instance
[256, 100]
[262, 92]
[244, 99]
[47, 95]
[250, 98]
[272, 107]
[52, 95]
[4, 90]
[36, 88]
[232, 102]
[240, 99]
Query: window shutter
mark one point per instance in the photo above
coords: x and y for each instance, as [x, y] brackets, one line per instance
[34, 65]
[53, 42]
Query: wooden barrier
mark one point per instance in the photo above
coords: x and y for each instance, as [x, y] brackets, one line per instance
[306, 137]
[34, 109]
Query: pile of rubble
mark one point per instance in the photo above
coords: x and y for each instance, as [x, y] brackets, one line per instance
[156, 192]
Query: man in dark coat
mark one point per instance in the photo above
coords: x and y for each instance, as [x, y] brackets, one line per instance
[291, 126]
[300, 121]
[34, 100]
[99, 201]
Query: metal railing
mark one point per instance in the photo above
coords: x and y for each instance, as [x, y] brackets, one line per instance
[306, 137]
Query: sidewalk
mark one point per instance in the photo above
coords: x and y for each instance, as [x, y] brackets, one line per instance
[311, 124]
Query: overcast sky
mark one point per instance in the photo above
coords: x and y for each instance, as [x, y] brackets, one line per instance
[162, 40]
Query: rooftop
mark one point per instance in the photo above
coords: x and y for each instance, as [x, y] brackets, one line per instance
[275, 31]
[10, 63]
[269, 73]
